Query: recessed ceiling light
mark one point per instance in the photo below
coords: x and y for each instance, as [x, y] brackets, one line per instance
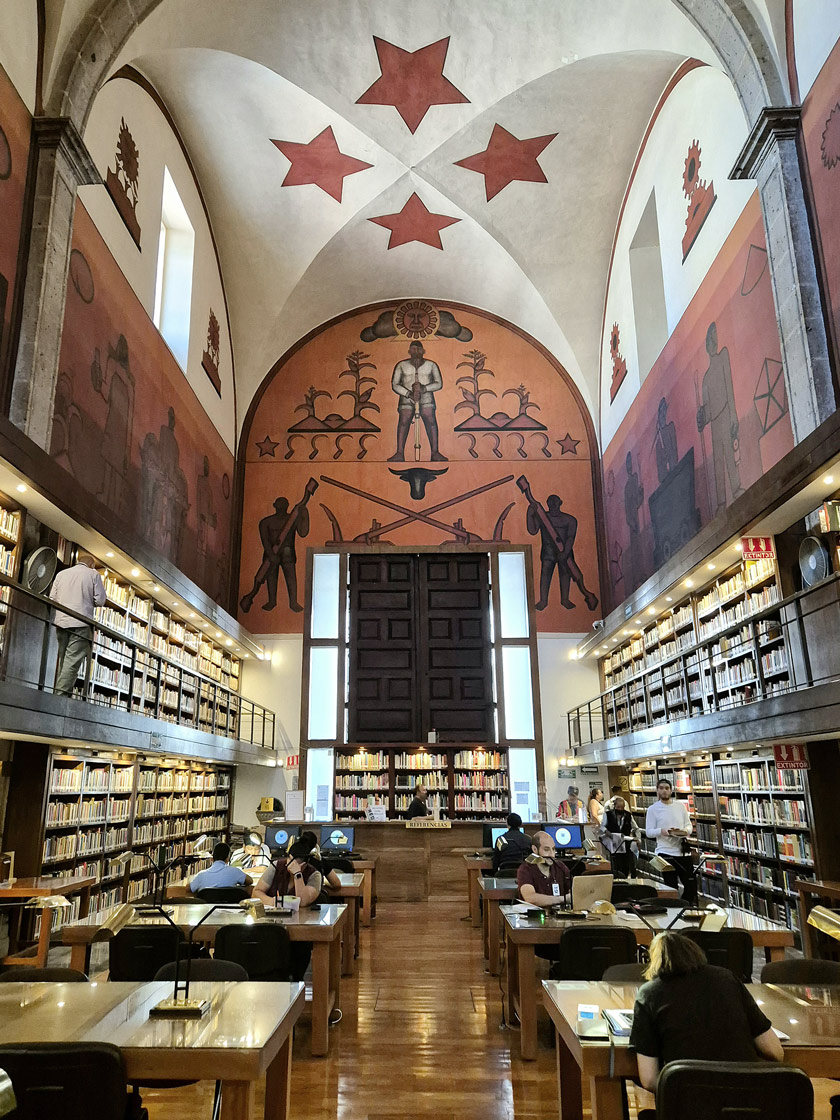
[668, 599]
[739, 547]
[689, 583]
[156, 587]
[651, 610]
[828, 480]
[109, 555]
[638, 622]
[21, 489]
[625, 631]
[218, 633]
[135, 572]
[244, 654]
[192, 614]
[205, 624]
[615, 641]
[711, 567]
[229, 642]
[174, 602]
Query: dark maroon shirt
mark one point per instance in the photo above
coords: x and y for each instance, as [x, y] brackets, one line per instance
[534, 874]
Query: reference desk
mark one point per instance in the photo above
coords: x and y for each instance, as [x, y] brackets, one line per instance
[247, 1033]
[811, 1016]
[323, 928]
[523, 935]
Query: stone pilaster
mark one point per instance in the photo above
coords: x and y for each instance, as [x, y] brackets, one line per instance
[63, 163]
[771, 157]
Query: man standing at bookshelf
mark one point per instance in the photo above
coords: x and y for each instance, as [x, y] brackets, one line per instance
[668, 823]
[81, 589]
[418, 807]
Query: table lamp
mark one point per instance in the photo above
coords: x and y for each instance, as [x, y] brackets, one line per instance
[179, 1005]
[826, 921]
[8, 1103]
[49, 902]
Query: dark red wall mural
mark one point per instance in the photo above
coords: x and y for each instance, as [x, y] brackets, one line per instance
[14, 154]
[701, 198]
[709, 420]
[418, 423]
[123, 181]
[821, 131]
[129, 428]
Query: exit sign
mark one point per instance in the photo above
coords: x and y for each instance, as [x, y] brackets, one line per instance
[758, 548]
[790, 756]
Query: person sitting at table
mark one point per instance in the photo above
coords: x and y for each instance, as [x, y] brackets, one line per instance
[220, 873]
[291, 874]
[417, 808]
[314, 857]
[619, 834]
[691, 1009]
[511, 845]
[543, 880]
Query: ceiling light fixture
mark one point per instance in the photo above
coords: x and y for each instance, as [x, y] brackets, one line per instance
[828, 480]
[156, 587]
[739, 547]
[711, 567]
[668, 599]
[229, 642]
[689, 583]
[651, 610]
[135, 572]
[109, 555]
[21, 489]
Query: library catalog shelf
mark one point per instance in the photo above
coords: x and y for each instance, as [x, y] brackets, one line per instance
[747, 645]
[184, 678]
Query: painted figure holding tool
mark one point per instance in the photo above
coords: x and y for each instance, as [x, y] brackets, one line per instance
[415, 380]
[277, 534]
[557, 532]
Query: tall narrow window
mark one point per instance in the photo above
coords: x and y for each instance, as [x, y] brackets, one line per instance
[173, 282]
[648, 289]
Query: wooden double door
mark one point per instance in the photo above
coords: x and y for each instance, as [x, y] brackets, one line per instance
[420, 648]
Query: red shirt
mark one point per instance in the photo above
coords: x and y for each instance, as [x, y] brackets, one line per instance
[535, 874]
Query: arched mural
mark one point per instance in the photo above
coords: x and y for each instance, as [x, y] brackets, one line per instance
[418, 422]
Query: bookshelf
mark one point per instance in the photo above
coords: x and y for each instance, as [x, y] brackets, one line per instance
[742, 807]
[463, 782]
[10, 526]
[99, 806]
[717, 649]
[172, 675]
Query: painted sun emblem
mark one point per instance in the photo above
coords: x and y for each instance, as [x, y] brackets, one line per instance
[691, 175]
[416, 319]
[615, 341]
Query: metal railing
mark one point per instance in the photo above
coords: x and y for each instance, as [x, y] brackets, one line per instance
[789, 645]
[122, 672]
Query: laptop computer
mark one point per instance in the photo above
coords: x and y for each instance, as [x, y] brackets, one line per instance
[588, 889]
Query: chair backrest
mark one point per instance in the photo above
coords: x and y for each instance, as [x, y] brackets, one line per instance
[70, 1080]
[264, 951]
[203, 968]
[509, 865]
[690, 1090]
[631, 892]
[586, 951]
[137, 952]
[223, 894]
[624, 973]
[587, 889]
[728, 948]
[801, 971]
[42, 976]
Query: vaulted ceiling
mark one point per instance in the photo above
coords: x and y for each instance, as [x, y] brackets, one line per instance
[357, 150]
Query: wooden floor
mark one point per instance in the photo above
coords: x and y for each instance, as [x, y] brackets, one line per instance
[420, 1037]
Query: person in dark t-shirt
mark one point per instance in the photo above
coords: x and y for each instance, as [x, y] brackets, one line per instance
[512, 845]
[691, 1009]
[417, 808]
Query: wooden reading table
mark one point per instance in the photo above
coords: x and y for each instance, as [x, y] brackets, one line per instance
[811, 1016]
[523, 935]
[247, 1033]
[41, 887]
[321, 927]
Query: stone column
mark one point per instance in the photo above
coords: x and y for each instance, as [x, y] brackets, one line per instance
[771, 157]
[62, 163]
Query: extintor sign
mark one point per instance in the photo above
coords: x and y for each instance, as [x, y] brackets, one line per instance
[758, 548]
[790, 756]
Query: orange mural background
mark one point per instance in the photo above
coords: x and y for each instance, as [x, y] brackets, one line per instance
[518, 416]
[128, 426]
[666, 476]
[15, 128]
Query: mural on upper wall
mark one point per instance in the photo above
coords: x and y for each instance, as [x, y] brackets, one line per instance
[14, 155]
[709, 420]
[129, 428]
[821, 130]
[420, 424]
[123, 182]
[701, 198]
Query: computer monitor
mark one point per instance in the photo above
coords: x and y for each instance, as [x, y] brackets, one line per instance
[565, 836]
[277, 836]
[491, 833]
[337, 838]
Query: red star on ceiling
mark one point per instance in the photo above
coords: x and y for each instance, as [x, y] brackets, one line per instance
[414, 223]
[320, 163]
[506, 159]
[568, 446]
[412, 81]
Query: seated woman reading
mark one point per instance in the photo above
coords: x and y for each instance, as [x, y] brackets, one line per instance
[691, 1009]
[291, 876]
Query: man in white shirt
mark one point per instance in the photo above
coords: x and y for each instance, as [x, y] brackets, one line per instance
[220, 873]
[81, 589]
[415, 380]
[668, 823]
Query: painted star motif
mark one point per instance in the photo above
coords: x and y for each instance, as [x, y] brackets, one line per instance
[615, 560]
[414, 223]
[568, 446]
[412, 81]
[507, 159]
[320, 163]
[268, 446]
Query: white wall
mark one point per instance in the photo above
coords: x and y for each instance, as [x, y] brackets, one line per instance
[702, 107]
[816, 28]
[253, 783]
[158, 148]
[564, 683]
[19, 46]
